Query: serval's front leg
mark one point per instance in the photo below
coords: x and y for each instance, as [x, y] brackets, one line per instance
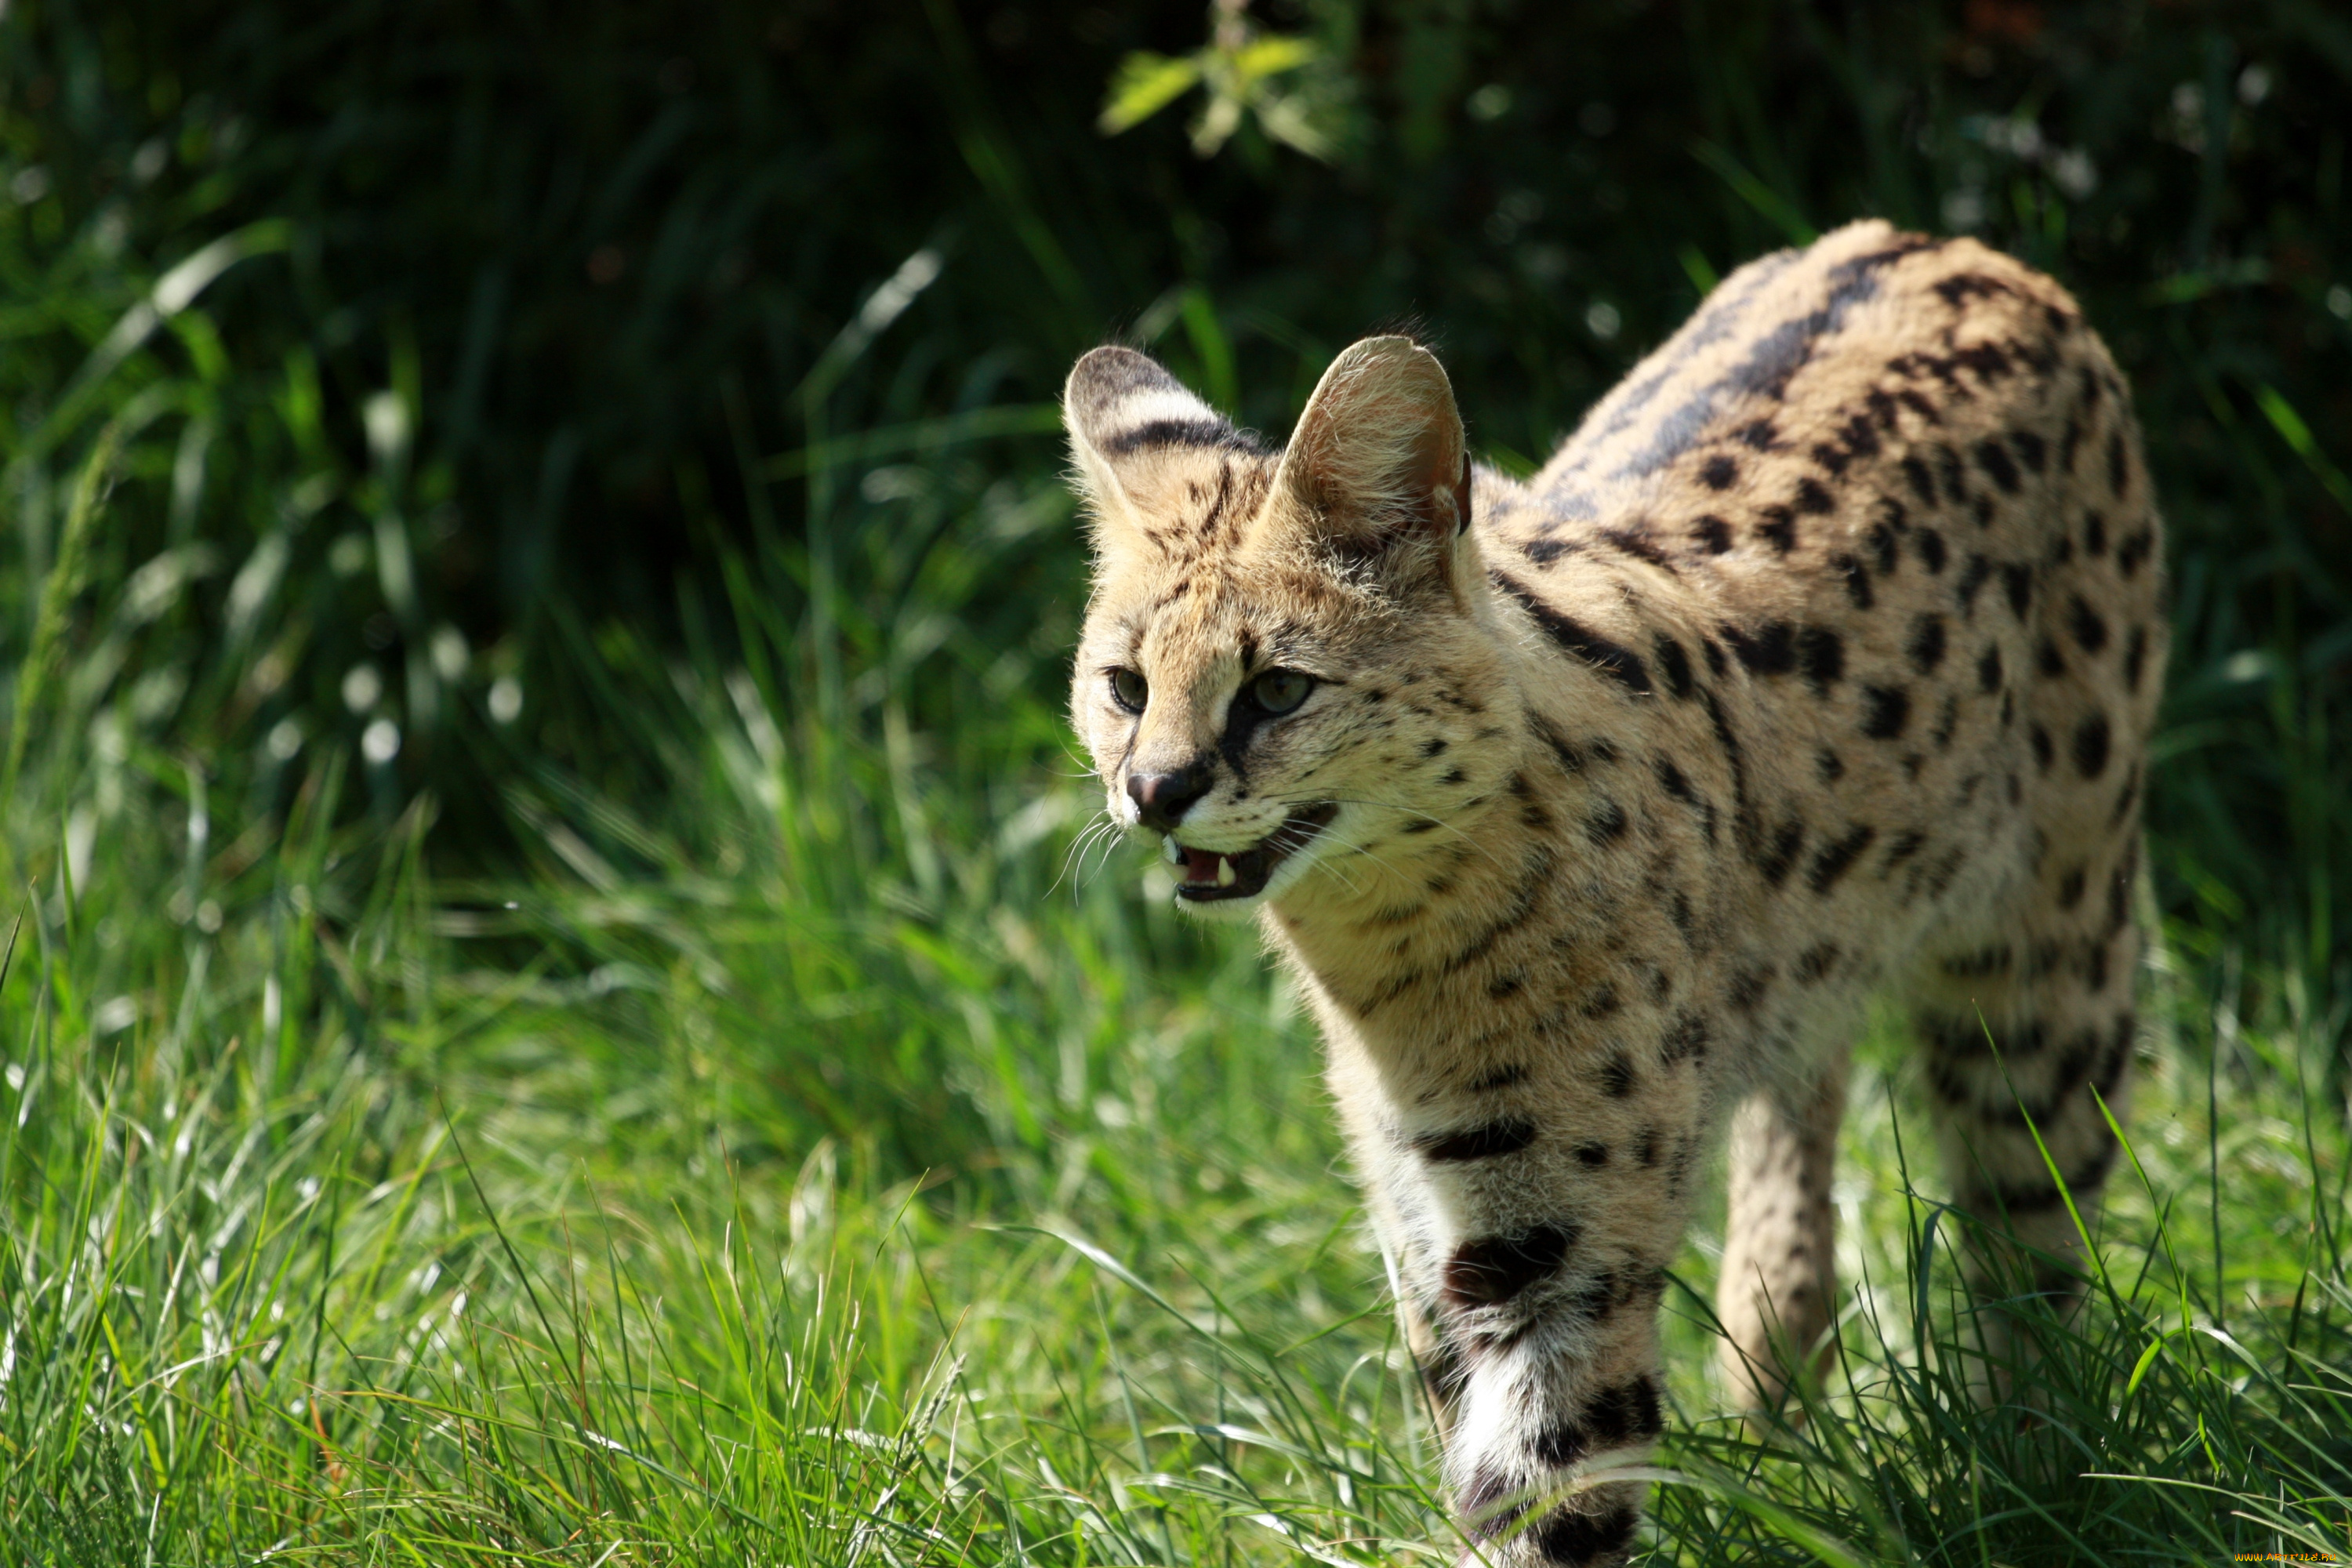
[1776, 1296]
[1533, 1246]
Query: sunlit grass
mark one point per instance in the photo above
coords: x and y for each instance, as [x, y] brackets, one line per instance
[667, 1215]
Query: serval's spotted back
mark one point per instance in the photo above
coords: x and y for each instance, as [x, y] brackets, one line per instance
[1820, 662]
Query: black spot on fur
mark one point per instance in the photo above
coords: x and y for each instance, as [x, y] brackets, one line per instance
[1686, 1040]
[2092, 739]
[1482, 1505]
[1856, 577]
[1431, 747]
[1495, 1268]
[1507, 1076]
[2017, 578]
[1988, 670]
[2134, 549]
[1829, 764]
[1635, 540]
[1922, 484]
[1675, 663]
[1572, 760]
[1645, 1148]
[1954, 476]
[1627, 1413]
[1606, 823]
[2090, 631]
[1885, 709]
[1582, 1537]
[1930, 546]
[1544, 551]
[2041, 1196]
[2094, 534]
[1884, 548]
[1620, 664]
[1617, 1075]
[1926, 645]
[2039, 739]
[1778, 528]
[1999, 466]
[2070, 888]
[1993, 959]
[1711, 534]
[2135, 657]
[1770, 649]
[1816, 962]
[1821, 653]
[1973, 577]
[1594, 1154]
[1833, 861]
[1719, 473]
[1813, 498]
[1783, 853]
[1747, 987]
[2048, 660]
[2118, 463]
[1602, 1002]
[2031, 450]
[1507, 1136]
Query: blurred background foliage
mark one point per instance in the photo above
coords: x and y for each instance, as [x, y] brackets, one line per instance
[472, 399]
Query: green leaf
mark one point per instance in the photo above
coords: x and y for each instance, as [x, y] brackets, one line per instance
[1774, 207]
[2297, 435]
[1286, 119]
[2139, 1369]
[1144, 84]
[1271, 56]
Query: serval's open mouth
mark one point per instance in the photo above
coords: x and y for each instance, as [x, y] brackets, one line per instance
[1209, 875]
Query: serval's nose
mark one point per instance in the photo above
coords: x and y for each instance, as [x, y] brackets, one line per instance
[1162, 799]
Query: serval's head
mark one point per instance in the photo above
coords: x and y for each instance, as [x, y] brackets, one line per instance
[1282, 658]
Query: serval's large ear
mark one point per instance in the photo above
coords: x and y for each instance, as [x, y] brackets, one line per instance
[1137, 435]
[1378, 472]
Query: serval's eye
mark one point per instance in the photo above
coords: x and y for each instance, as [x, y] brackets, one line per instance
[1129, 689]
[1280, 690]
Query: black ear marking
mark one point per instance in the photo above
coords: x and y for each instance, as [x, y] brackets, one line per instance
[1127, 417]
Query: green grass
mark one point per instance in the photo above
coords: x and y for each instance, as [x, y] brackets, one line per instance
[743, 1185]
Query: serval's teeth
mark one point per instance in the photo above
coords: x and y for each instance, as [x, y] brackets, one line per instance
[1225, 877]
[1171, 852]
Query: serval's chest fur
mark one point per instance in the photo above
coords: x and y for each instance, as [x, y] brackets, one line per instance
[1819, 663]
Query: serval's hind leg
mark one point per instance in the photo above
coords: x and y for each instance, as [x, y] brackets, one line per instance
[2023, 1036]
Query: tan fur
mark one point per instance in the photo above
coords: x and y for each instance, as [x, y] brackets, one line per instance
[1820, 662]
